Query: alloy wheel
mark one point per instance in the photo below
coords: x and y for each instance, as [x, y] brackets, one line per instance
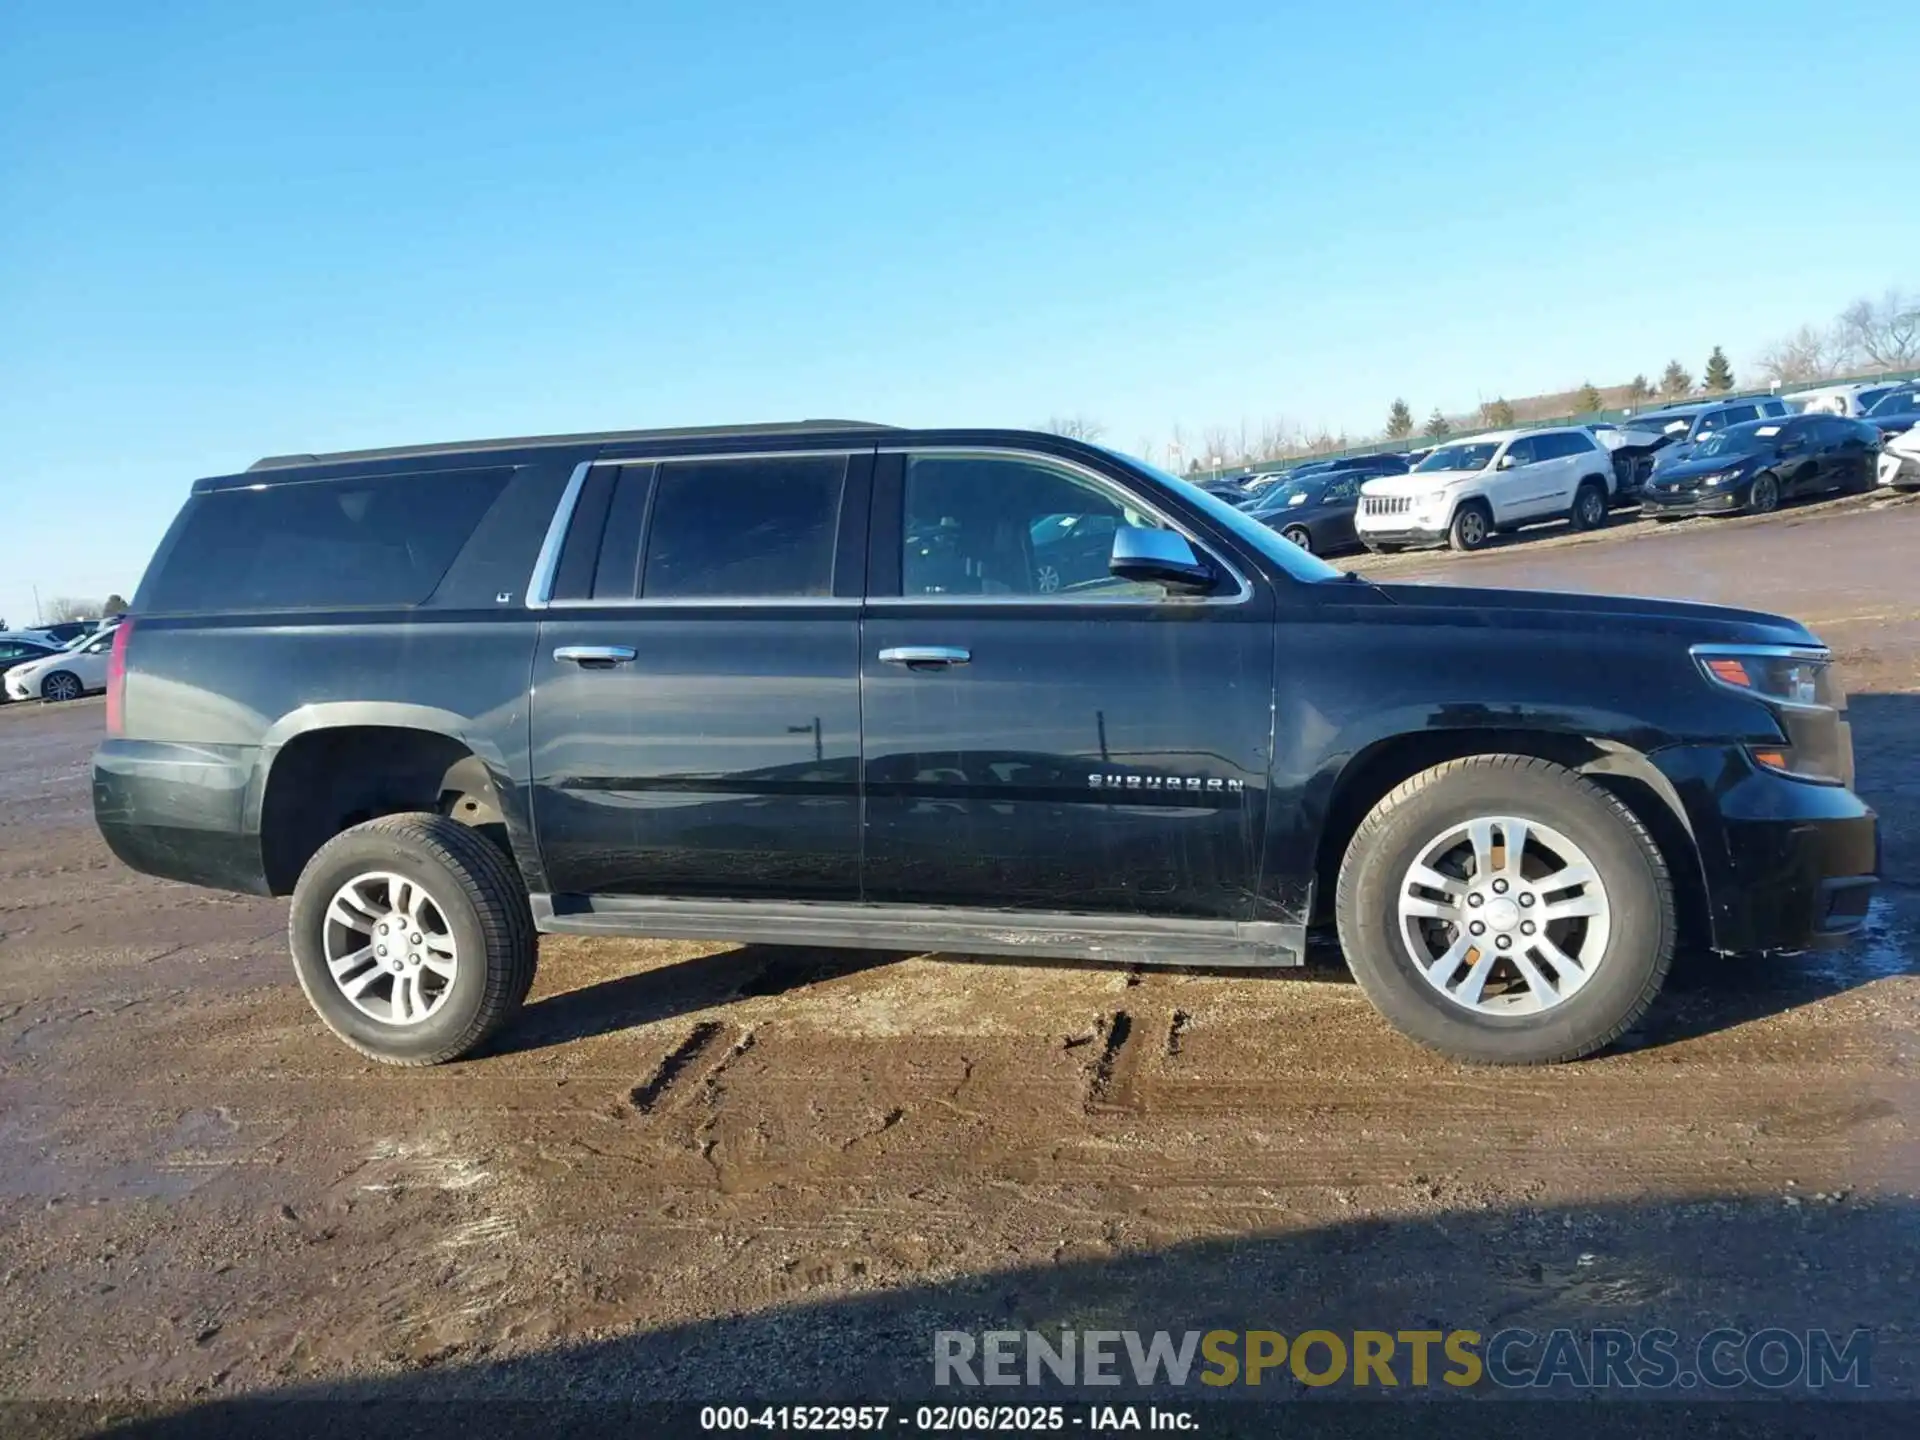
[1504, 916]
[389, 948]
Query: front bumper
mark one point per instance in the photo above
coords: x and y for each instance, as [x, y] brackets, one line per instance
[18, 689]
[1408, 534]
[1655, 501]
[1898, 469]
[1788, 864]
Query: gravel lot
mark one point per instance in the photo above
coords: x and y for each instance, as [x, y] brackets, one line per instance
[698, 1170]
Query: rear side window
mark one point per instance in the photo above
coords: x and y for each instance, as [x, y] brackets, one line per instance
[321, 544]
[743, 529]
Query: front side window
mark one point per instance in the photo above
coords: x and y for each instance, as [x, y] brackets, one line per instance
[1520, 452]
[991, 525]
[743, 529]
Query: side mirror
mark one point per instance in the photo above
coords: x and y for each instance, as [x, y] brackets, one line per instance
[1158, 556]
[1507, 462]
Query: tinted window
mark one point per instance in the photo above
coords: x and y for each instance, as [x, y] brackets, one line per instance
[616, 576]
[743, 528]
[319, 544]
[986, 525]
[12, 653]
[1523, 451]
[1344, 489]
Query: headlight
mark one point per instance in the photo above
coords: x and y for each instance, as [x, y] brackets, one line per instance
[1797, 684]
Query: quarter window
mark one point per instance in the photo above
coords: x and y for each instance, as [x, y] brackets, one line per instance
[994, 525]
[731, 529]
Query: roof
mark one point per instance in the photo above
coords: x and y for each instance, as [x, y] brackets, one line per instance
[599, 437]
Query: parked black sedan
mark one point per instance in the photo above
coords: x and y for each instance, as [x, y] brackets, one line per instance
[1754, 466]
[1314, 511]
[15, 651]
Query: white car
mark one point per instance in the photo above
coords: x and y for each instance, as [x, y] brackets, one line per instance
[1853, 399]
[1468, 489]
[1900, 459]
[78, 670]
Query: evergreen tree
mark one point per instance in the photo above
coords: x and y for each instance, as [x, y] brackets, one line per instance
[1719, 372]
[1675, 382]
[1437, 427]
[1638, 390]
[1399, 421]
[1590, 401]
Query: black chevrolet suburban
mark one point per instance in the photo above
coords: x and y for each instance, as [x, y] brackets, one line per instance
[841, 684]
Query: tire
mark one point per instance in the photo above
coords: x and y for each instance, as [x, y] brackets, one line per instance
[62, 685]
[1763, 496]
[1299, 535]
[1589, 509]
[1625, 952]
[1472, 526]
[475, 898]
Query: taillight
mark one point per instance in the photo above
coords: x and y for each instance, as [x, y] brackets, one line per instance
[117, 680]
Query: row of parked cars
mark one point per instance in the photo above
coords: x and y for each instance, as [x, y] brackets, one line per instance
[1703, 458]
[62, 662]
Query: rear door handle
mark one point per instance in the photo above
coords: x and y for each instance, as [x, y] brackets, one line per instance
[925, 655]
[594, 655]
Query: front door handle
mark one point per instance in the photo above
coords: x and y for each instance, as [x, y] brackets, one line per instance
[594, 656]
[925, 655]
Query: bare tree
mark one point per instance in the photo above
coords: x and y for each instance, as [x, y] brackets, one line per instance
[1884, 333]
[63, 608]
[1075, 427]
[1496, 413]
[1216, 447]
[1810, 353]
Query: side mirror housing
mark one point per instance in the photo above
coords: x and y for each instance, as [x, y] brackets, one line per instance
[1158, 557]
[1507, 462]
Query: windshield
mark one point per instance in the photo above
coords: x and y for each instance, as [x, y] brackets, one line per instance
[1897, 402]
[1459, 457]
[1281, 497]
[1248, 531]
[1731, 442]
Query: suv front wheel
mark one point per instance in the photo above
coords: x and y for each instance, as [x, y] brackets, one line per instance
[1472, 526]
[1505, 910]
[412, 938]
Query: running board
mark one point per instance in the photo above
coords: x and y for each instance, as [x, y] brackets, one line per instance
[919, 929]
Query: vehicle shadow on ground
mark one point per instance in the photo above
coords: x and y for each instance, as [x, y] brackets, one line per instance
[1705, 992]
[1776, 1262]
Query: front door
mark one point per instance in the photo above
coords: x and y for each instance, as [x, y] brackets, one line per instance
[696, 699]
[1039, 735]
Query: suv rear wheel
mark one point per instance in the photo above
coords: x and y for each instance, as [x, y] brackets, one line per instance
[1472, 525]
[412, 938]
[1504, 910]
[1589, 505]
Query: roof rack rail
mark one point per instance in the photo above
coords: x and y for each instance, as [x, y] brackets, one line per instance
[598, 437]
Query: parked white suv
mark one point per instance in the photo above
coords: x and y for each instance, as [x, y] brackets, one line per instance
[1468, 489]
[1854, 399]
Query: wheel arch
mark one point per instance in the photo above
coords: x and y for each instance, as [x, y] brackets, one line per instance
[1625, 772]
[325, 768]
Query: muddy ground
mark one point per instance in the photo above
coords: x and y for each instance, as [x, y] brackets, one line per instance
[701, 1170]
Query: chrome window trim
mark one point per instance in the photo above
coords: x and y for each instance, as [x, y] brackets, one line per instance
[717, 602]
[540, 583]
[1243, 593]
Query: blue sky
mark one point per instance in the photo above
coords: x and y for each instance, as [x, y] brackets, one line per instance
[225, 232]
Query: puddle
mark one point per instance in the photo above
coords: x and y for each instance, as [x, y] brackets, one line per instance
[199, 1146]
[1888, 945]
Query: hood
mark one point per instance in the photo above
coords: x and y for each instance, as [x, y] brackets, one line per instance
[1691, 467]
[1423, 483]
[1687, 620]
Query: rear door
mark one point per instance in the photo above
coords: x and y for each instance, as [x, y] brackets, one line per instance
[696, 705]
[1100, 746]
